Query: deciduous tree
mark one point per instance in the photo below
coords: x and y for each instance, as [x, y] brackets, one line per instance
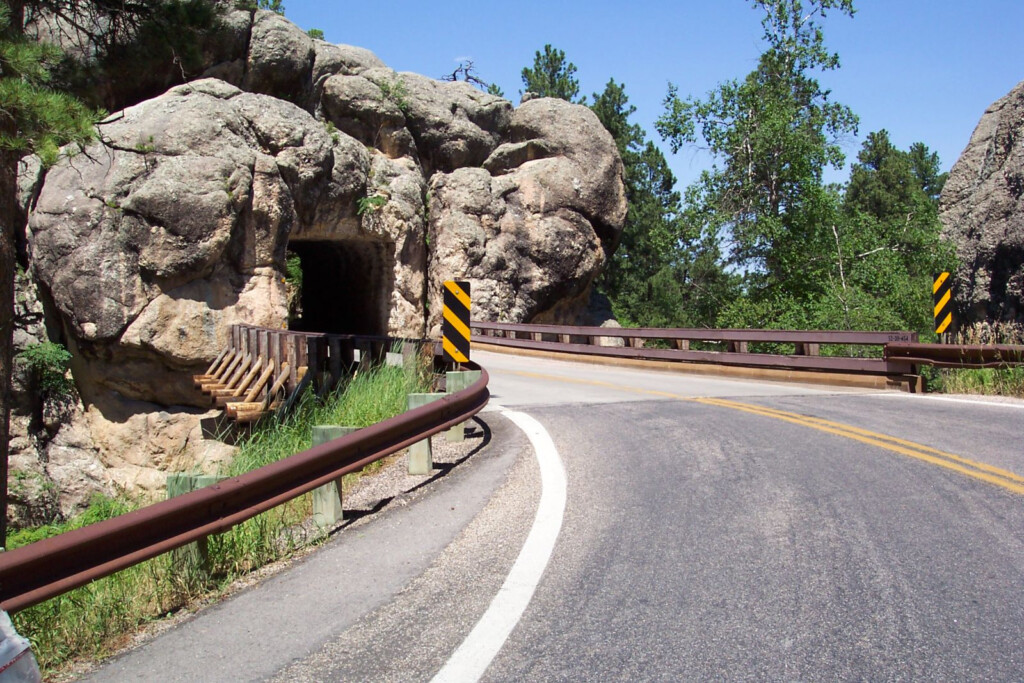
[772, 134]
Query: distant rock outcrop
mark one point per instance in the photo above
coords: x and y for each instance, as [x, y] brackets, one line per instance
[148, 245]
[982, 211]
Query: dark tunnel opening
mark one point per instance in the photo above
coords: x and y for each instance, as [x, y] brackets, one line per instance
[346, 286]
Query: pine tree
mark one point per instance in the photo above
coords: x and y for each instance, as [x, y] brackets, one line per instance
[36, 118]
[552, 76]
[888, 237]
[657, 276]
[33, 119]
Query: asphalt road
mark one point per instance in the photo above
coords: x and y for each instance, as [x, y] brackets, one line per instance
[713, 529]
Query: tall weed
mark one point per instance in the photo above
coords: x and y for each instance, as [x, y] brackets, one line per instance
[1008, 381]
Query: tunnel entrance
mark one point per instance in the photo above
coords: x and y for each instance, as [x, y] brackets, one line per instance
[346, 286]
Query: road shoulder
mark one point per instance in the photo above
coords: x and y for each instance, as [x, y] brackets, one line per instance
[293, 614]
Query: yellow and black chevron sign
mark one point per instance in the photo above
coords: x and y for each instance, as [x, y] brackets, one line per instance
[455, 327]
[943, 302]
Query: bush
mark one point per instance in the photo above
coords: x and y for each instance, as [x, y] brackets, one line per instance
[49, 364]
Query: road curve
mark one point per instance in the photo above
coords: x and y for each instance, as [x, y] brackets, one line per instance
[712, 529]
[774, 533]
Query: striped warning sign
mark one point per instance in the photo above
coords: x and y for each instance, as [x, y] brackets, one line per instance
[943, 296]
[455, 327]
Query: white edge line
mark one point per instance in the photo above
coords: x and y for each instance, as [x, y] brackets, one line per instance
[949, 399]
[474, 655]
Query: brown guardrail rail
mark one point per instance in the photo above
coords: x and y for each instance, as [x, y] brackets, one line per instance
[805, 356]
[47, 568]
[957, 355]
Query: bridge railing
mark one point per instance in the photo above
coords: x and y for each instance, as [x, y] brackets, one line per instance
[632, 343]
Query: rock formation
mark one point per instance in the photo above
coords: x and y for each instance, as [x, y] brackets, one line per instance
[982, 211]
[150, 243]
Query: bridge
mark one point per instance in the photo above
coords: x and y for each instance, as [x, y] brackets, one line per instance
[623, 522]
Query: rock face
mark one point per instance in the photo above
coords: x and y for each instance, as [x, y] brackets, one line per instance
[526, 229]
[151, 243]
[982, 211]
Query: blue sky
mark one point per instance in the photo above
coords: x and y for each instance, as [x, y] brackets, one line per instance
[925, 70]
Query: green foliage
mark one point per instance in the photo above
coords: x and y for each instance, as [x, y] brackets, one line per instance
[552, 76]
[39, 120]
[142, 48]
[293, 284]
[773, 133]
[658, 276]
[887, 244]
[394, 91]
[315, 34]
[49, 363]
[332, 130]
[493, 89]
[370, 204]
[293, 270]
[276, 6]
[1006, 381]
[370, 397]
[985, 381]
[101, 507]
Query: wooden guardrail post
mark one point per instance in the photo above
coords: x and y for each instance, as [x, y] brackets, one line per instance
[807, 349]
[410, 356]
[334, 360]
[291, 355]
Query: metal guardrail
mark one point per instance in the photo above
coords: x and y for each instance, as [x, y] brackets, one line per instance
[805, 356]
[958, 355]
[47, 568]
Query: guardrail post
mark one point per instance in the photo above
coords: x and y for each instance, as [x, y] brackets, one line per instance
[363, 355]
[457, 381]
[327, 509]
[421, 458]
[682, 344]
[194, 557]
[807, 349]
[410, 356]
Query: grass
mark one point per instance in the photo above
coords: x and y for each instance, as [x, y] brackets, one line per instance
[987, 381]
[92, 621]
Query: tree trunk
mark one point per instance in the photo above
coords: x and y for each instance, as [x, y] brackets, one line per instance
[8, 262]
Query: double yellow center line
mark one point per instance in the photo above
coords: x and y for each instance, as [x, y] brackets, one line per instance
[971, 468]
